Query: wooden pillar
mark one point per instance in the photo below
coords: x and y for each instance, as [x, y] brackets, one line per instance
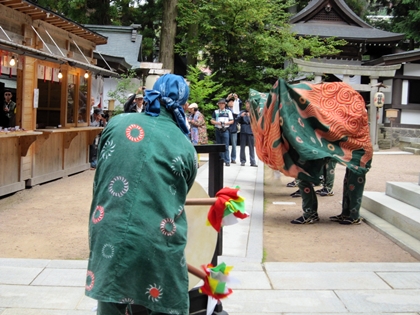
[346, 79]
[318, 78]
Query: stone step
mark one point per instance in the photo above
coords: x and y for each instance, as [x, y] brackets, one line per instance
[385, 144]
[399, 214]
[412, 150]
[410, 139]
[402, 239]
[406, 192]
[415, 145]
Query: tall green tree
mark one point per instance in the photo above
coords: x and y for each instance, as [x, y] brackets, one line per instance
[204, 91]
[149, 16]
[84, 11]
[167, 36]
[248, 42]
[406, 19]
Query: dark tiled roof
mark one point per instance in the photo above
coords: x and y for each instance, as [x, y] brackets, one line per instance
[340, 21]
[317, 5]
[120, 43]
[397, 58]
[348, 32]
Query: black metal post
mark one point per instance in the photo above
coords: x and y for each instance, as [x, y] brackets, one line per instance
[198, 301]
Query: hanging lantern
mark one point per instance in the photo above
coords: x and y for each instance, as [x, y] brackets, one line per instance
[12, 61]
[379, 99]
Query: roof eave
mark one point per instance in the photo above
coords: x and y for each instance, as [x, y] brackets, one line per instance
[53, 18]
[395, 38]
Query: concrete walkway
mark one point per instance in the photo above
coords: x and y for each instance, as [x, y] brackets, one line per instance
[53, 287]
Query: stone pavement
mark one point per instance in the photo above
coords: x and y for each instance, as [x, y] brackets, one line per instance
[54, 287]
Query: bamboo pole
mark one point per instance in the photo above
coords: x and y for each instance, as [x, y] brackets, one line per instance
[200, 201]
[196, 272]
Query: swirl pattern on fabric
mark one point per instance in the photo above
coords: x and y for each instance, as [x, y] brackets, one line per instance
[300, 126]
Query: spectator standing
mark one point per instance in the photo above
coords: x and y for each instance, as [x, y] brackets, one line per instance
[139, 103]
[247, 137]
[237, 103]
[186, 111]
[197, 124]
[98, 121]
[233, 131]
[222, 118]
[8, 110]
[98, 118]
[131, 105]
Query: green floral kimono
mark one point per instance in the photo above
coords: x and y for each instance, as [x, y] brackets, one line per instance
[138, 227]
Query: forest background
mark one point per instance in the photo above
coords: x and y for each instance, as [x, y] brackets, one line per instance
[243, 43]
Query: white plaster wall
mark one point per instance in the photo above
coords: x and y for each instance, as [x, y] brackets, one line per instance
[356, 79]
[109, 85]
[404, 95]
[388, 95]
[412, 69]
[96, 89]
[411, 117]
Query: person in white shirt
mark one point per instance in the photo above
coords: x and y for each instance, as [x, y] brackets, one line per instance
[222, 118]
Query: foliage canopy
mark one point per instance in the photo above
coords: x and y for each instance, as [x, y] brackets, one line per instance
[248, 42]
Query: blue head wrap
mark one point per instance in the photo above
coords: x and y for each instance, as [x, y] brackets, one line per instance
[171, 91]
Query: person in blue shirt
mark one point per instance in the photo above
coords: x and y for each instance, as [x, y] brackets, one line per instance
[233, 131]
[247, 137]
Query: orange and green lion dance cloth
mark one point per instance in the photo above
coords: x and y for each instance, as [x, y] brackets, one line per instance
[301, 126]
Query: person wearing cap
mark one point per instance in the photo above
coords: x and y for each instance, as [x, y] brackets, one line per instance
[132, 104]
[222, 118]
[197, 124]
[139, 103]
[137, 223]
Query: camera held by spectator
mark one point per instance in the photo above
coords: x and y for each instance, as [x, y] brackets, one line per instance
[223, 127]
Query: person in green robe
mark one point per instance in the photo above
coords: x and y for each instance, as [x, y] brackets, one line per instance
[302, 127]
[137, 227]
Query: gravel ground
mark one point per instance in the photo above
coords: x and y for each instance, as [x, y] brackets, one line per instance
[327, 241]
[49, 221]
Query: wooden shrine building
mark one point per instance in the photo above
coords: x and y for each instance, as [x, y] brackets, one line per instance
[333, 18]
[47, 63]
[370, 56]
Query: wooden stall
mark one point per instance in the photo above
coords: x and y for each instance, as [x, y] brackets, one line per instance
[13, 146]
[61, 152]
[49, 60]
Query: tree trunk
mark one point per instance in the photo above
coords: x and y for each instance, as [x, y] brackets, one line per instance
[192, 34]
[167, 37]
[101, 12]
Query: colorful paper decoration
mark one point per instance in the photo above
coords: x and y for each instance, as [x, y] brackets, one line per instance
[216, 282]
[228, 208]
